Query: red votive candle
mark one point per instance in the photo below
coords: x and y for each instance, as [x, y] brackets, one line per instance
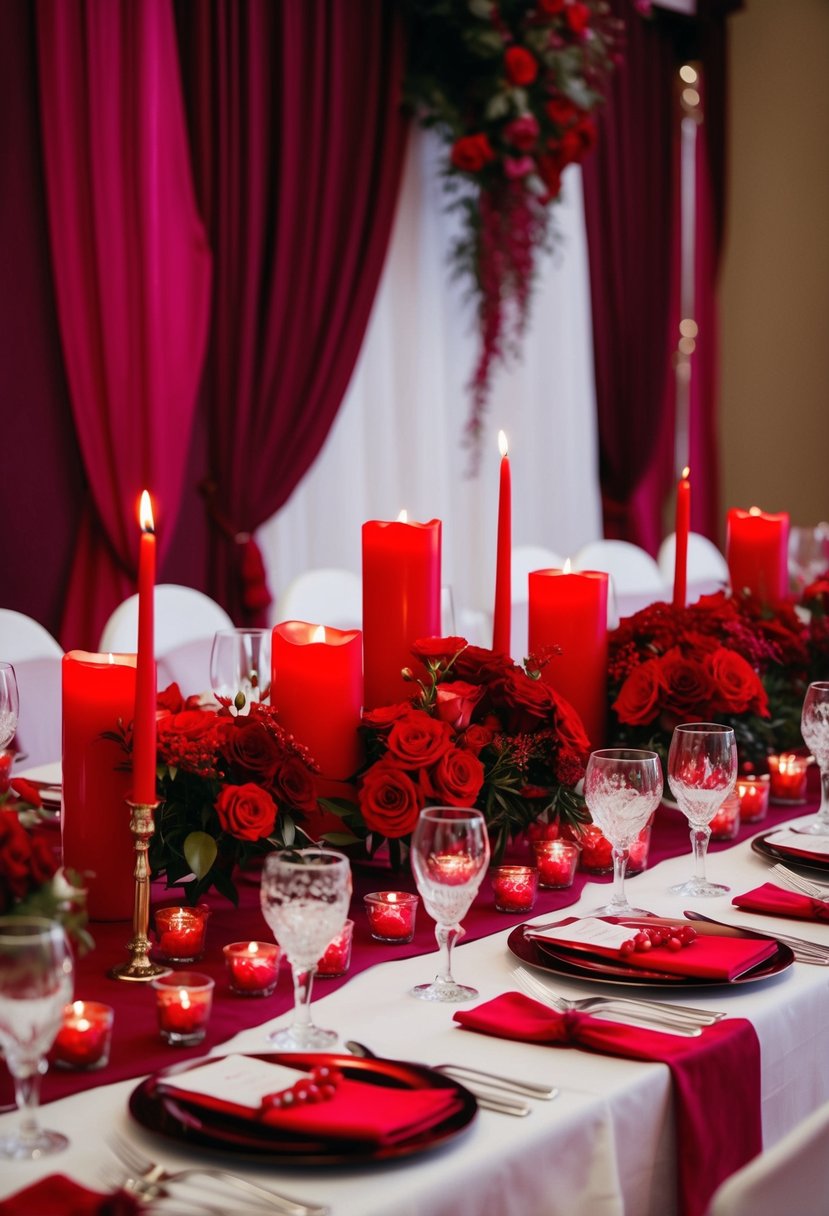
[391, 915]
[726, 823]
[515, 888]
[787, 777]
[639, 850]
[181, 933]
[253, 967]
[337, 957]
[753, 793]
[183, 1003]
[85, 1036]
[556, 861]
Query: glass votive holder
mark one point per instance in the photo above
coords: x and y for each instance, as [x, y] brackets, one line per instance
[787, 778]
[183, 1003]
[337, 957]
[639, 851]
[85, 1036]
[556, 861]
[181, 933]
[514, 888]
[753, 793]
[726, 823]
[253, 967]
[391, 915]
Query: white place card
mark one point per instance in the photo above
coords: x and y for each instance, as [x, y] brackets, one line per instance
[240, 1080]
[803, 841]
[589, 932]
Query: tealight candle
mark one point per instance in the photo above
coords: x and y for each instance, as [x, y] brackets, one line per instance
[515, 888]
[85, 1035]
[556, 861]
[391, 915]
[726, 823]
[253, 967]
[183, 1003]
[787, 777]
[337, 957]
[753, 793]
[181, 933]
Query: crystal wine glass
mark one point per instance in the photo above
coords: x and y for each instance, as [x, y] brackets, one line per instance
[702, 772]
[35, 984]
[305, 895]
[814, 726]
[9, 704]
[450, 853]
[240, 663]
[622, 788]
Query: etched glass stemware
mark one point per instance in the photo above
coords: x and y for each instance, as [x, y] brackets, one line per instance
[622, 788]
[9, 704]
[814, 726]
[240, 666]
[702, 772]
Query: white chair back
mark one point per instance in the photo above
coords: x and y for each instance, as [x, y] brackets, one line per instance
[38, 737]
[21, 637]
[327, 596]
[634, 575]
[707, 569]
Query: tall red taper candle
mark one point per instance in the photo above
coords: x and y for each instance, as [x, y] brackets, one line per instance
[683, 525]
[144, 744]
[502, 616]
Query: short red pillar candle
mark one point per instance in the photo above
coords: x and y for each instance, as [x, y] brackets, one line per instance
[181, 933]
[183, 1003]
[757, 548]
[515, 888]
[753, 793]
[556, 861]
[726, 823]
[85, 1036]
[337, 957]
[253, 967]
[787, 777]
[391, 915]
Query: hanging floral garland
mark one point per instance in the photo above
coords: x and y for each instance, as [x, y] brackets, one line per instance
[511, 87]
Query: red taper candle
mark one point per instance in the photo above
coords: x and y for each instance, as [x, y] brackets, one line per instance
[144, 742]
[502, 616]
[683, 526]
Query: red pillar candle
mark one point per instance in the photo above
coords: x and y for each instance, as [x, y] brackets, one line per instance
[753, 793]
[514, 888]
[183, 1003]
[337, 957]
[757, 546]
[316, 685]
[556, 861]
[401, 602]
[569, 611]
[787, 777]
[501, 618]
[253, 967]
[682, 528]
[144, 744]
[85, 1036]
[181, 933]
[391, 915]
[98, 693]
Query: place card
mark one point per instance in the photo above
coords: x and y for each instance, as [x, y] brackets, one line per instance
[240, 1080]
[802, 841]
[589, 932]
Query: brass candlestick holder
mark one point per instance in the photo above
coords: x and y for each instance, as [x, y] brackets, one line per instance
[140, 968]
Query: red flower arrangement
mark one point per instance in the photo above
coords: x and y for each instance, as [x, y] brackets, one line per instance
[480, 731]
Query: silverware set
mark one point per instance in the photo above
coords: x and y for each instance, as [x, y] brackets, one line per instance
[803, 951]
[800, 885]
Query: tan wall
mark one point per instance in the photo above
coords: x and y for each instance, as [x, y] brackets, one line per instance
[774, 289]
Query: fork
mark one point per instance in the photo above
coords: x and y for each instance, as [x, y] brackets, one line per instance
[803, 886]
[147, 1181]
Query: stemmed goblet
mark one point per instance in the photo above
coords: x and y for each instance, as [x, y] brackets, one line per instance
[702, 772]
[9, 704]
[240, 663]
[35, 984]
[450, 854]
[304, 896]
[814, 726]
[622, 788]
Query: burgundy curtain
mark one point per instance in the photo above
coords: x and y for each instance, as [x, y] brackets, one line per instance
[132, 276]
[297, 141]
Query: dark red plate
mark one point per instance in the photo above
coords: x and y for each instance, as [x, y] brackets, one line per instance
[169, 1117]
[795, 857]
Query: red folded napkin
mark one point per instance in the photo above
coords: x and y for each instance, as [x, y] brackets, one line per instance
[57, 1195]
[778, 902]
[716, 1080]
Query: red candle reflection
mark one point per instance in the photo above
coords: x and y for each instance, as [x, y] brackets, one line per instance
[337, 957]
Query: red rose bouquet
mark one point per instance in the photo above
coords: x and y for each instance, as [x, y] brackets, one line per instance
[480, 731]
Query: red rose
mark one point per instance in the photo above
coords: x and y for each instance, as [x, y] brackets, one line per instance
[476, 737]
[570, 727]
[389, 800]
[456, 701]
[171, 699]
[522, 132]
[42, 864]
[246, 811]
[418, 740]
[190, 724]
[561, 110]
[737, 687]
[471, 153]
[294, 785]
[456, 779]
[481, 666]
[550, 8]
[385, 716]
[639, 696]
[19, 870]
[437, 650]
[549, 168]
[249, 746]
[520, 65]
[528, 702]
[688, 685]
[577, 16]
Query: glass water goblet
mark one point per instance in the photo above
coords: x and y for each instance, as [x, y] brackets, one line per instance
[240, 666]
[305, 895]
[702, 772]
[9, 704]
[35, 984]
[622, 788]
[814, 726]
[450, 854]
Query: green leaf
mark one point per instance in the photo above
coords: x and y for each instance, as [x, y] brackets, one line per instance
[340, 838]
[201, 852]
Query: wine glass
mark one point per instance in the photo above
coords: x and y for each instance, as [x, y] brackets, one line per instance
[35, 984]
[240, 663]
[622, 788]
[814, 726]
[9, 704]
[702, 772]
[450, 853]
[305, 895]
[808, 555]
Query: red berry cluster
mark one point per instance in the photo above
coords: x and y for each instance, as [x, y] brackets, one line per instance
[319, 1086]
[674, 937]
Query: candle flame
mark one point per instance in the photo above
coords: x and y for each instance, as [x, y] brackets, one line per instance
[567, 567]
[503, 446]
[686, 473]
[77, 1007]
[319, 634]
[145, 513]
[403, 517]
[754, 511]
[253, 947]
[184, 998]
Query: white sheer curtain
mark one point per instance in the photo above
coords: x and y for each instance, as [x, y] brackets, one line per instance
[397, 440]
